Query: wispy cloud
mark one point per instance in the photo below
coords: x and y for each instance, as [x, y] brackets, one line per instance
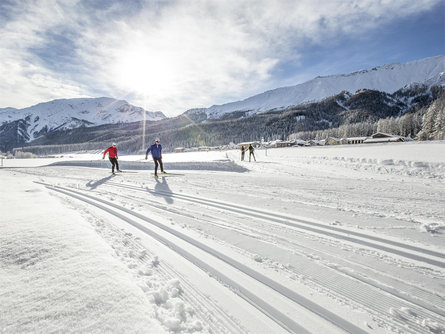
[170, 55]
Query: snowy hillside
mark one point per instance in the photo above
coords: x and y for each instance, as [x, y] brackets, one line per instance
[388, 78]
[7, 110]
[73, 113]
[438, 80]
[345, 239]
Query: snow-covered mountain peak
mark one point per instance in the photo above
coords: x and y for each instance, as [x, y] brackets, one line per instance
[72, 113]
[387, 78]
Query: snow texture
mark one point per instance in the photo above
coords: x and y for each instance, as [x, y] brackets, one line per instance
[305, 240]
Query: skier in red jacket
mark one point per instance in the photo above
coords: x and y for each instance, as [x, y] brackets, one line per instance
[112, 155]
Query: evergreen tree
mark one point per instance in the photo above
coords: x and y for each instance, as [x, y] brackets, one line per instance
[439, 123]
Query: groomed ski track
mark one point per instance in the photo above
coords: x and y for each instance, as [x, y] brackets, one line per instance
[397, 248]
[421, 255]
[403, 309]
[174, 239]
[389, 298]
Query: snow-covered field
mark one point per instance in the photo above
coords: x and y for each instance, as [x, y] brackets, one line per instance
[304, 240]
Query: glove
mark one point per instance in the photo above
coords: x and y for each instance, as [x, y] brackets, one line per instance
[103, 157]
[145, 157]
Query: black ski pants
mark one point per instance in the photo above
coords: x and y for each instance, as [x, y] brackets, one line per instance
[158, 161]
[114, 163]
[251, 154]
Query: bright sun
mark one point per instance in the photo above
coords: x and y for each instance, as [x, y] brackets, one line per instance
[142, 71]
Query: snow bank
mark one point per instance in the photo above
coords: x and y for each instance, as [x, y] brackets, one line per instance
[57, 274]
[419, 159]
[95, 159]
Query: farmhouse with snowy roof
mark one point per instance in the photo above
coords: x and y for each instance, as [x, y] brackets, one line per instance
[381, 137]
[333, 141]
[280, 143]
[355, 140]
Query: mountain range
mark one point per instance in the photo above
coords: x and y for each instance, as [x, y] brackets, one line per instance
[28, 124]
[387, 78]
[381, 92]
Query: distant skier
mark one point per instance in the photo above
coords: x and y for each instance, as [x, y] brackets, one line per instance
[251, 149]
[243, 151]
[112, 155]
[156, 153]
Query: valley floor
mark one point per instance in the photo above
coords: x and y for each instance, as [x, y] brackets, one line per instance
[347, 239]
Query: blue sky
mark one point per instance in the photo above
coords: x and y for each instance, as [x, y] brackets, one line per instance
[175, 55]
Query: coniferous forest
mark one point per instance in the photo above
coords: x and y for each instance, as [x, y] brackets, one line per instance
[417, 112]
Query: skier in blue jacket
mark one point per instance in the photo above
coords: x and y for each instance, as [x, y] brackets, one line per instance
[156, 153]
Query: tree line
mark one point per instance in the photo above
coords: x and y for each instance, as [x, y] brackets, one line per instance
[416, 113]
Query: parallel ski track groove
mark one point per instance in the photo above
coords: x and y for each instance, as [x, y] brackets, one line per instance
[316, 279]
[384, 307]
[168, 273]
[202, 305]
[299, 223]
[282, 319]
[283, 219]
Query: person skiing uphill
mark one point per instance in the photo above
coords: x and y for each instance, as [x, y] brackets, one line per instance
[112, 155]
[243, 151]
[156, 153]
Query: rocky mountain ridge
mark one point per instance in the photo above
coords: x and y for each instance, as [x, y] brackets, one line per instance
[28, 124]
[387, 78]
